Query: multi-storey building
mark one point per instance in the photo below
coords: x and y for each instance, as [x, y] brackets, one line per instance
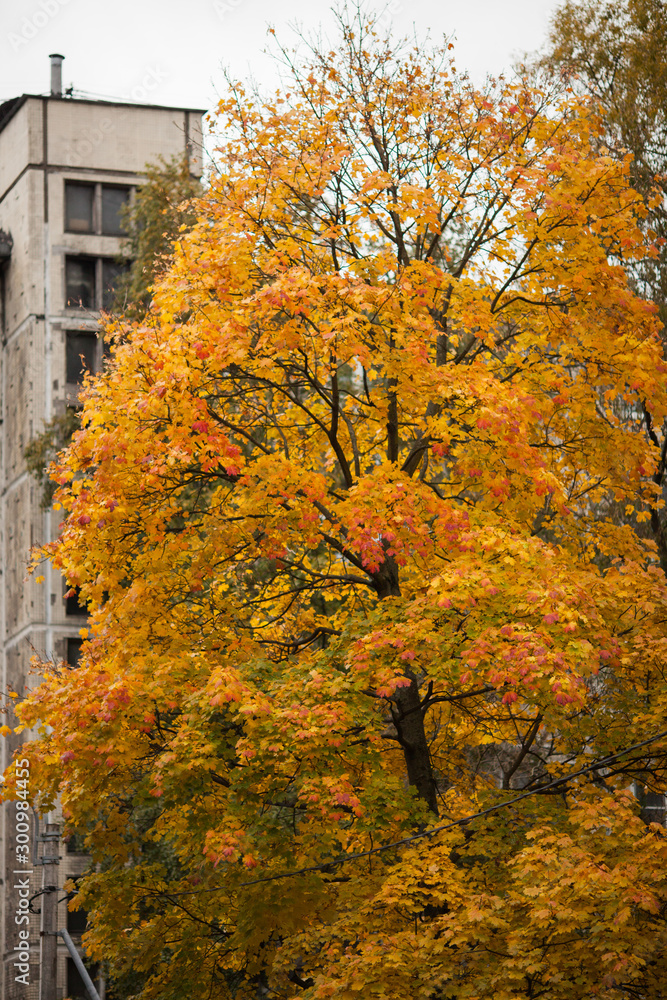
[67, 167]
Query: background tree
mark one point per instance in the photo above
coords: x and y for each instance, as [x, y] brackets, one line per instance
[43, 449]
[356, 632]
[615, 54]
[162, 208]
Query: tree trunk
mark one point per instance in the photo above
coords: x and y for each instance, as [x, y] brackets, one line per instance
[409, 722]
[408, 715]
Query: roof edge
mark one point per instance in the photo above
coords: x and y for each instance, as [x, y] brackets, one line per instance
[10, 107]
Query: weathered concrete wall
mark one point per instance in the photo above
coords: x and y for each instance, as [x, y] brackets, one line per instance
[21, 214]
[114, 136]
[47, 142]
[20, 143]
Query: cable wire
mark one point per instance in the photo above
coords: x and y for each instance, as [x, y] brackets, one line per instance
[327, 865]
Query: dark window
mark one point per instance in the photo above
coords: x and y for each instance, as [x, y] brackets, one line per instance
[77, 920]
[652, 806]
[75, 987]
[113, 201]
[91, 281]
[95, 208]
[111, 271]
[80, 282]
[74, 651]
[79, 200]
[75, 845]
[80, 355]
[73, 605]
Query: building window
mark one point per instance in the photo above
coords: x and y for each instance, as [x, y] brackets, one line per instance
[90, 282]
[81, 355]
[80, 282]
[73, 605]
[79, 202]
[652, 806]
[76, 844]
[74, 651]
[112, 270]
[95, 208]
[76, 989]
[77, 920]
[114, 200]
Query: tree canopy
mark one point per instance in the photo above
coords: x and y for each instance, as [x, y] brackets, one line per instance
[615, 52]
[371, 689]
[161, 209]
[615, 55]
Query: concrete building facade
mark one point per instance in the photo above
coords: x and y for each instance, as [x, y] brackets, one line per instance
[67, 166]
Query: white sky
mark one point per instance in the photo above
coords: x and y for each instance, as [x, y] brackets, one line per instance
[172, 51]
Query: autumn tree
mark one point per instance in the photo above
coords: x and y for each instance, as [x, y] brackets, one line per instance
[369, 693]
[44, 447]
[614, 53]
[162, 208]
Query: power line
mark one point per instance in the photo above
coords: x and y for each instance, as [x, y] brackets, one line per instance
[437, 829]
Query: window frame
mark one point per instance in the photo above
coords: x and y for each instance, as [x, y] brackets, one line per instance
[73, 608]
[99, 261]
[81, 258]
[73, 978]
[98, 213]
[90, 186]
[73, 643]
[92, 335]
[121, 233]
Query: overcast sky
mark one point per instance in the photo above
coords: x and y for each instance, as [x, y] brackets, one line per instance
[173, 51]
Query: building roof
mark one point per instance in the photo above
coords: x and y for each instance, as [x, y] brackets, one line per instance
[9, 108]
